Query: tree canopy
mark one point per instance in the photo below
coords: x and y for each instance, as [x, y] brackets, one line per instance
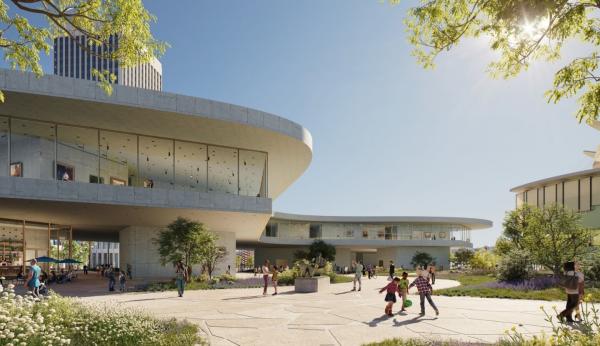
[421, 259]
[327, 251]
[521, 32]
[183, 240]
[22, 42]
[551, 235]
[463, 256]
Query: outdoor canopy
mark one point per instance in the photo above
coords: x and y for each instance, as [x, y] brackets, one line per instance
[45, 259]
[68, 261]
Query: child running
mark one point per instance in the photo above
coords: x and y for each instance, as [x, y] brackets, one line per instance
[403, 289]
[390, 296]
[424, 289]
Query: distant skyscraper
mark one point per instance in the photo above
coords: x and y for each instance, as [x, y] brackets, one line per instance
[72, 60]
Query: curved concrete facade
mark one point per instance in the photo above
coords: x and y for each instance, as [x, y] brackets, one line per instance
[578, 191]
[124, 166]
[372, 240]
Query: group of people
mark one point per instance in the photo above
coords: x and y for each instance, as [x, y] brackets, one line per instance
[113, 274]
[270, 271]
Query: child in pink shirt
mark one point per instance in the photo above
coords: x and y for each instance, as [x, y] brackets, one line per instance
[390, 296]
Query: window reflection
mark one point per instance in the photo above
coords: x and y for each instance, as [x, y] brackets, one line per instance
[47, 151]
[77, 154]
[156, 162]
[222, 170]
[32, 148]
[191, 166]
[3, 146]
[253, 173]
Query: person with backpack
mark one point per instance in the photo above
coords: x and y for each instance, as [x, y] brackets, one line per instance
[571, 281]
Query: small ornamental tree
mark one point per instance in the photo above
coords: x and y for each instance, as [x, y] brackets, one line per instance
[212, 254]
[463, 256]
[484, 260]
[183, 240]
[421, 259]
[551, 235]
[327, 251]
[301, 254]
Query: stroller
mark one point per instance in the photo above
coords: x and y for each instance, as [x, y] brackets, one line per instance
[43, 289]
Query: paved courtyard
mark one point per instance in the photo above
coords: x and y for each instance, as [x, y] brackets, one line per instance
[337, 316]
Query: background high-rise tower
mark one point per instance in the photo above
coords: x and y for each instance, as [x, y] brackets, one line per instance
[72, 60]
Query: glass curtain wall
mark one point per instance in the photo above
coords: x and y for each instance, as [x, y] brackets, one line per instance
[4, 130]
[77, 154]
[44, 150]
[118, 159]
[32, 149]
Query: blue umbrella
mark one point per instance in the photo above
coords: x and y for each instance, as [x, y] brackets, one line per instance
[46, 259]
[69, 261]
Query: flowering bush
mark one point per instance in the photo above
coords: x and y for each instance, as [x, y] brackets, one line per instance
[55, 320]
[538, 283]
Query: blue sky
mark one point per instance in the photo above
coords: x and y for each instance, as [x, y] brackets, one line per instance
[389, 137]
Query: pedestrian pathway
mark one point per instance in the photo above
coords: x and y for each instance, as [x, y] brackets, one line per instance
[337, 316]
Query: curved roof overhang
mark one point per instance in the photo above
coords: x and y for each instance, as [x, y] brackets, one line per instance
[470, 223]
[555, 179]
[79, 102]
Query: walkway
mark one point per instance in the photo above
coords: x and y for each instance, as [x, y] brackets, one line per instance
[335, 317]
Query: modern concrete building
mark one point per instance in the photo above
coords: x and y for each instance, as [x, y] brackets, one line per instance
[372, 240]
[579, 191]
[74, 58]
[78, 164]
[104, 252]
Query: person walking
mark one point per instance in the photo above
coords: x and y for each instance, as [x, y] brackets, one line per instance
[122, 281]
[33, 278]
[403, 289]
[581, 289]
[369, 271]
[265, 273]
[129, 271]
[358, 269]
[111, 279]
[573, 280]
[424, 289]
[85, 269]
[180, 277]
[274, 278]
[390, 296]
[392, 270]
[432, 273]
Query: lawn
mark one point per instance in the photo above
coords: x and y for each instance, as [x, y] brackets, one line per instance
[475, 286]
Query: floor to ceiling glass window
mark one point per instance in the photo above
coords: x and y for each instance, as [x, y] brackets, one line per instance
[118, 158]
[4, 146]
[32, 149]
[191, 166]
[156, 162]
[223, 169]
[253, 173]
[77, 154]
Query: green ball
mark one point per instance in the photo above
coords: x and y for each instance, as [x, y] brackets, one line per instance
[407, 303]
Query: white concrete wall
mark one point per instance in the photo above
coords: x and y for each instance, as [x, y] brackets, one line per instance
[137, 248]
[274, 255]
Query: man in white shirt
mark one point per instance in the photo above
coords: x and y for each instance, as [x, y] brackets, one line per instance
[358, 268]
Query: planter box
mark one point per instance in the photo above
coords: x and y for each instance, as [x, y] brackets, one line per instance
[310, 285]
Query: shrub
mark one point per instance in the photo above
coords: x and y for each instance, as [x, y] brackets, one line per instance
[61, 321]
[286, 277]
[421, 259]
[484, 261]
[515, 265]
[226, 277]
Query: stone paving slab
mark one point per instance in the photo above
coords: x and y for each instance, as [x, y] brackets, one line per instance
[336, 316]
